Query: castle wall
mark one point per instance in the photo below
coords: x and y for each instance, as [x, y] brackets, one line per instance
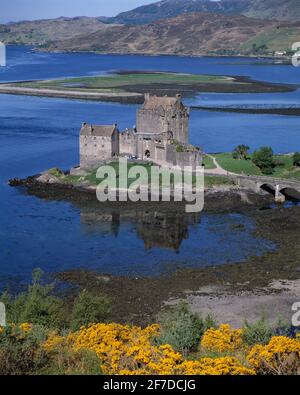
[128, 143]
[160, 121]
[181, 159]
[151, 121]
[94, 150]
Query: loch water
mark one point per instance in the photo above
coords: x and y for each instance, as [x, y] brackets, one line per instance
[40, 133]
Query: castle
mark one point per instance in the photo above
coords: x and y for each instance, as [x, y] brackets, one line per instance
[161, 135]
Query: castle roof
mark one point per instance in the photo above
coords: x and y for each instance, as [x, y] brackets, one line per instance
[153, 102]
[98, 130]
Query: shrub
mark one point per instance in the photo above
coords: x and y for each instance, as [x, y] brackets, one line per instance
[296, 159]
[241, 152]
[281, 356]
[223, 339]
[222, 366]
[63, 361]
[182, 329]
[55, 172]
[37, 305]
[20, 350]
[264, 159]
[258, 332]
[89, 309]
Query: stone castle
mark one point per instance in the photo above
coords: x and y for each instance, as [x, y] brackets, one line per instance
[161, 135]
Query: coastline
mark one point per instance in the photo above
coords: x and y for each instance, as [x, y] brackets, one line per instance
[230, 290]
[291, 111]
[134, 94]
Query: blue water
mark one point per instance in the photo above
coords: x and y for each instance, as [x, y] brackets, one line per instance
[39, 133]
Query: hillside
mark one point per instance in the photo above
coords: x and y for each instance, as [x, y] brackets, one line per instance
[187, 34]
[283, 10]
[42, 31]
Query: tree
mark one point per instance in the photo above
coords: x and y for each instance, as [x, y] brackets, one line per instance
[264, 159]
[241, 152]
[296, 159]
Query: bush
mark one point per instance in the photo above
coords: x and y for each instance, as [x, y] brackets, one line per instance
[264, 159]
[281, 356]
[182, 329]
[296, 159]
[241, 152]
[63, 361]
[89, 309]
[259, 332]
[20, 350]
[37, 305]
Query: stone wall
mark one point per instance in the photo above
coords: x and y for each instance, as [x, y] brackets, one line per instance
[128, 143]
[94, 149]
[159, 121]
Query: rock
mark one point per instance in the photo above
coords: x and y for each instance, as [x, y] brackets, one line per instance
[48, 179]
[15, 182]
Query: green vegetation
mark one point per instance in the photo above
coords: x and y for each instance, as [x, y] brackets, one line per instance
[119, 82]
[208, 163]
[264, 159]
[296, 159]
[214, 181]
[272, 40]
[283, 166]
[91, 177]
[257, 332]
[241, 152]
[88, 309]
[183, 329]
[227, 162]
[40, 305]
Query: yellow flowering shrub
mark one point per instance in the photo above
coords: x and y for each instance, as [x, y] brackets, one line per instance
[223, 339]
[214, 367]
[129, 350]
[121, 349]
[280, 356]
[25, 327]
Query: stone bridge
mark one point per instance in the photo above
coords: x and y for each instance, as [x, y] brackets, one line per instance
[280, 187]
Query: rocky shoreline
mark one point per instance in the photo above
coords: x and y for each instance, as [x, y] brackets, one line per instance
[229, 291]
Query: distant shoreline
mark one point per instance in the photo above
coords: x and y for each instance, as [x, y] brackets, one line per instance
[292, 111]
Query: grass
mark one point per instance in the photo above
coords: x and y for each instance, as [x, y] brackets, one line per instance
[211, 181]
[227, 162]
[113, 82]
[283, 166]
[208, 163]
[276, 39]
[91, 177]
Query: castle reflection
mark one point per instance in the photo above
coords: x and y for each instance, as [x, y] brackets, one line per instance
[157, 228]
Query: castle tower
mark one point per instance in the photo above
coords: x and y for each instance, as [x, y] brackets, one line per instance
[162, 115]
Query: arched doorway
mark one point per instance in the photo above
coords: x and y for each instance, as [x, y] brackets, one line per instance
[147, 154]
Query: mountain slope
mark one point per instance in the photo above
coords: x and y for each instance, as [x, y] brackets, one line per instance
[42, 31]
[187, 34]
[284, 10]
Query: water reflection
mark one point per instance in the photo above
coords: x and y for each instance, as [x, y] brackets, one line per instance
[157, 229]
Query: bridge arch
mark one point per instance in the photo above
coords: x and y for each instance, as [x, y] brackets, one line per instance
[268, 188]
[290, 193]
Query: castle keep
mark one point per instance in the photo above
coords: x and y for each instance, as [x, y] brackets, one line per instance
[161, 135]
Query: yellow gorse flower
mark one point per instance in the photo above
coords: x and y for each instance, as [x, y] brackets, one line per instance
[223, 339]
[280, 356]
